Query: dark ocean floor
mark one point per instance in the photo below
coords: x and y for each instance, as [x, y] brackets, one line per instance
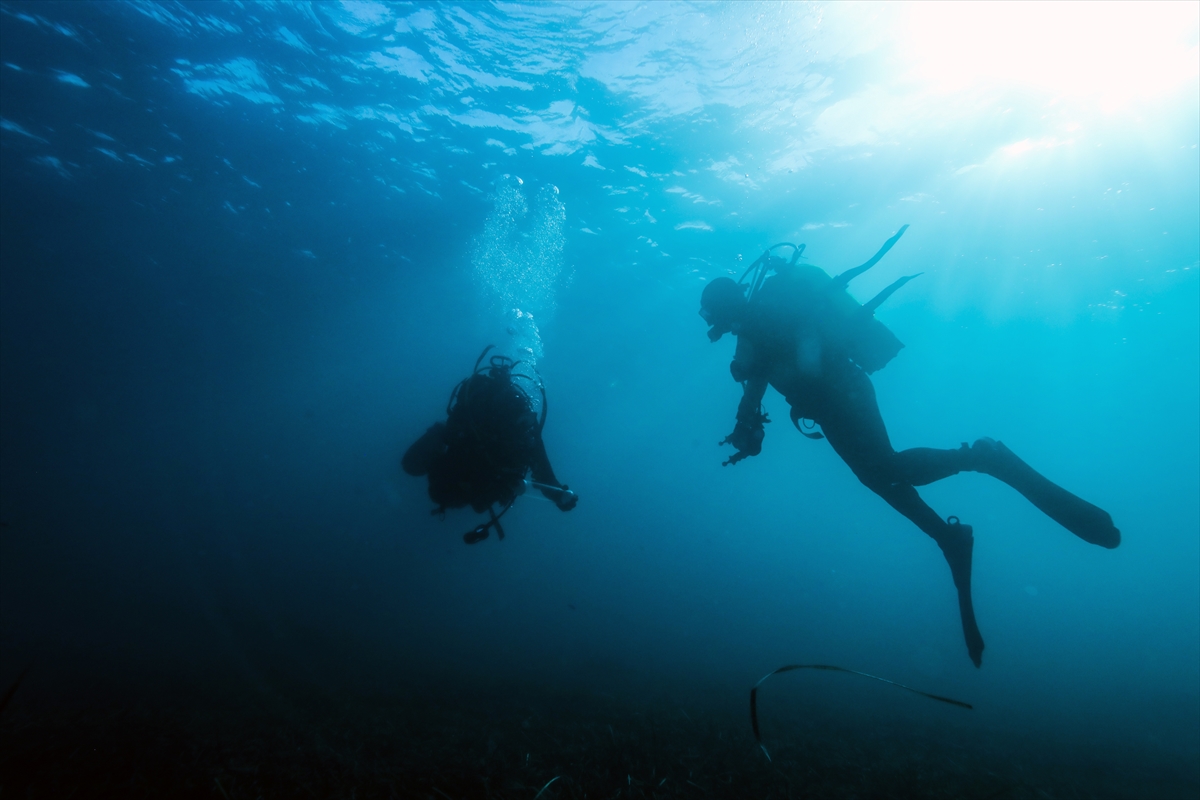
[529, 745]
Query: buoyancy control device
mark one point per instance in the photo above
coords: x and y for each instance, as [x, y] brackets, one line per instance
[839, 319]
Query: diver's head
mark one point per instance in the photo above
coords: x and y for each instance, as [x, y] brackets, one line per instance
[721, 305]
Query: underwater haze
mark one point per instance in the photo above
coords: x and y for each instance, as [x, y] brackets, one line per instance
[248, 249]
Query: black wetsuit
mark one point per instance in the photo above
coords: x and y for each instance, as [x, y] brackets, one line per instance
[792, 337]
[782, 344]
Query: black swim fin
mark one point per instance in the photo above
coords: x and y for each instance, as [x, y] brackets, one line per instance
[958, 547]
[1090, 523]
[477, 535]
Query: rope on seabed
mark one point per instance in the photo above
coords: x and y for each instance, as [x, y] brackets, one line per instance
[830, 668]
[547, 786]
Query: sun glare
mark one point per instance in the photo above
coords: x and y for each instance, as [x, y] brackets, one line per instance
[1109, 54]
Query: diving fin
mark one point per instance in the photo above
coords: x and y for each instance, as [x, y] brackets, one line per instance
[958, 548]
[876, 301]
[1090, 523]
[478, 534]
[842, 280]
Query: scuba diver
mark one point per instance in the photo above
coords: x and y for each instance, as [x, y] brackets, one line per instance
[491, 439]
[801, 332]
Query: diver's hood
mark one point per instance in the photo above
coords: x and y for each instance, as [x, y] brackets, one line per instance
[717, 327]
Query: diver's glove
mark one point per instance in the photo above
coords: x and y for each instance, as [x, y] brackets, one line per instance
[566, 499]
[746, 438]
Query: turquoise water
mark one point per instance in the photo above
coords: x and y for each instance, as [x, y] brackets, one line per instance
[247, 251]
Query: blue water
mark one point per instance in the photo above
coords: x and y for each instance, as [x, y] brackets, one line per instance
[248, 250]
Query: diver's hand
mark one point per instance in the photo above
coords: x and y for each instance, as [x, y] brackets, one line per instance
[747, 438]
[566, 499]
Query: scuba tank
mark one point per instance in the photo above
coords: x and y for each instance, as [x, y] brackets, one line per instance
[491, 423]
[838, 319]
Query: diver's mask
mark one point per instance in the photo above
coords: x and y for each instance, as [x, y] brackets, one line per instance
[718, 327]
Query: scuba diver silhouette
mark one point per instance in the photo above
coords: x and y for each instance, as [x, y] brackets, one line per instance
[801, 332]
[491, 439]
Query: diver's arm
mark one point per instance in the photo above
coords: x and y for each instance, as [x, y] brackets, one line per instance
[748, 434]
[746, 369]
[543, 473]
[753, 389]
[424, 451]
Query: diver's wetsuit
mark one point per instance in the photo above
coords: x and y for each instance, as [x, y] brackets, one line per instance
[837, 395]
[784, 341]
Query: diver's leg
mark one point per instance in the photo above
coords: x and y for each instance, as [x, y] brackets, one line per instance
[919, 466]
[957, 544]
[1092, 524]
[855, 430]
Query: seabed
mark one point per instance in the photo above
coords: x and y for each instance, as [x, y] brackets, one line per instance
[538, 745]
